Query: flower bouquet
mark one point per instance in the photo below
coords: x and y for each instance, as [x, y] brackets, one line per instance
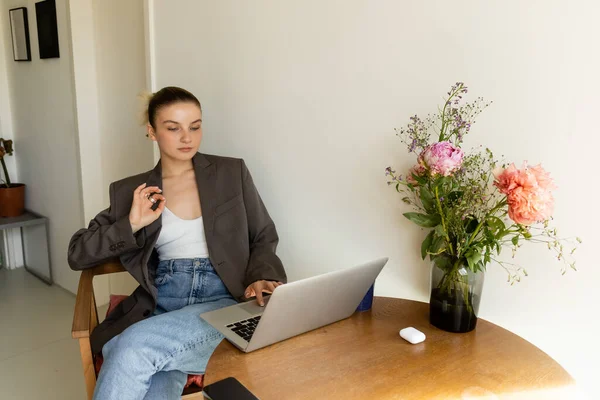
[473, 206]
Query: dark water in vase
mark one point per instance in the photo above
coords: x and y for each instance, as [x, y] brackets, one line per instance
[450, 313]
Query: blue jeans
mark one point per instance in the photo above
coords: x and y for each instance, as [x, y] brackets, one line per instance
[151, 359]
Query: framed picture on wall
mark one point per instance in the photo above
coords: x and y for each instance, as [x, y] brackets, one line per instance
[19, 29]
[45, 14]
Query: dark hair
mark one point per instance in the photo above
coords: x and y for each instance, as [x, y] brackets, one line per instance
[167, 96]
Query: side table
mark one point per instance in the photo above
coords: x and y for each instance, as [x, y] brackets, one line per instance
[34, 238]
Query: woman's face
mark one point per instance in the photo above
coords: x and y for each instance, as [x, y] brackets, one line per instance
[178, 130]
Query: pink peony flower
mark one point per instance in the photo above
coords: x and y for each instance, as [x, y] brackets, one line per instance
[528, 193]
[442, 158]
[418, 170]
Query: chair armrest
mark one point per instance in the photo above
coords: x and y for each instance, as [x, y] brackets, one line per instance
[83, 302]
[82, 318]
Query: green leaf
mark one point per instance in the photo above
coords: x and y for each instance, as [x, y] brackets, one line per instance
[424, 220]
[496, 225]
[406, 200]
[421, 180]
[471, 225]
[441, 181]
[473, 258]
[439, 231]
[525, 232]
[515, 240]
[487, 258]
[427, 199]
[479, 266]
[426, 244]
[489, 235]
[438, 243]
[453, 197]
[443, 261]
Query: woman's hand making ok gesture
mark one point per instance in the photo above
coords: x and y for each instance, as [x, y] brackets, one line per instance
[141, 213]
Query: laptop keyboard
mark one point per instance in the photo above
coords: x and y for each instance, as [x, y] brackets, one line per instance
[245, 328]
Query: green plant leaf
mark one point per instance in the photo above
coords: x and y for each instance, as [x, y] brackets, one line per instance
[427, 199]
[439, 231]
[421, 180]
[473, 257]
[471, 225]
[426, 244]
[496, 225]
[424, 220]
[438, 244]
[480, 266]
[441, 180]
[525, 232]
[453, 197]
[443, 261]
[487, 258]
[515, 240]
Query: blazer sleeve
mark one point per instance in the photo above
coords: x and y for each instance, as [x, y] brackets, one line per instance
[263, 264]
[107, 236]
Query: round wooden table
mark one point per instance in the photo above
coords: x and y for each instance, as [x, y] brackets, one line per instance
[363, 357]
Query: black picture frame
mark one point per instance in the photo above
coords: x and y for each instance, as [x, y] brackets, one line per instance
[19, 32]
[45, 14]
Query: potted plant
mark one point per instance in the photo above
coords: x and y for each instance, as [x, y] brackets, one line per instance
[12, 195]
[472, 207]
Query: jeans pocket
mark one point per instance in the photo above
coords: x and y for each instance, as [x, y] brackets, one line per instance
[162, 277]
[214, 286]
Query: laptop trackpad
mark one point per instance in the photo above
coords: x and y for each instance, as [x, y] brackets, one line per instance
[252, 306]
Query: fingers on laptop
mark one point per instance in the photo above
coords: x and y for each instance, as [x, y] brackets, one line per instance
[259, 298]
[257, 288]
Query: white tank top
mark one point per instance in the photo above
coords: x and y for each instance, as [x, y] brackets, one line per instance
[181, 238]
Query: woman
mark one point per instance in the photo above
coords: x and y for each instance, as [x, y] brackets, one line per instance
[196, 235]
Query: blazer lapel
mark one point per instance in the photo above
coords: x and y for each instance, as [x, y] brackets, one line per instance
[205, 173]
[206, 181]
[154, 179]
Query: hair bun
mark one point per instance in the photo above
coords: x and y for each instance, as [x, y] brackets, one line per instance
[144, 98]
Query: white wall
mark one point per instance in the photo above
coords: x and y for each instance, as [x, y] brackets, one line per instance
[309, 93]
[43, 127]
[121, 77]
[10, 239]
[75, 119]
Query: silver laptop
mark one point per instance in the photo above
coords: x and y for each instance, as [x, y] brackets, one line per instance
[296, 307]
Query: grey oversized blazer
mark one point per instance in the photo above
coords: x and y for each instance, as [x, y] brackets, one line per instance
[240, 234]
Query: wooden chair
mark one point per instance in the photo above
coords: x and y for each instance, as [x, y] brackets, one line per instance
[85, 320]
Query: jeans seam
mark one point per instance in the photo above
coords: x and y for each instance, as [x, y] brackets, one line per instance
[186, 347]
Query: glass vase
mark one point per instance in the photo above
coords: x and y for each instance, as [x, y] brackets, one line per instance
[455, 296]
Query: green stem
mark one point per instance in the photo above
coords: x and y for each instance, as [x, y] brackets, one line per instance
[442, 131]
[439, 206]
[470, 238]
[5, 172]
[441, 138]
[453, 280]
